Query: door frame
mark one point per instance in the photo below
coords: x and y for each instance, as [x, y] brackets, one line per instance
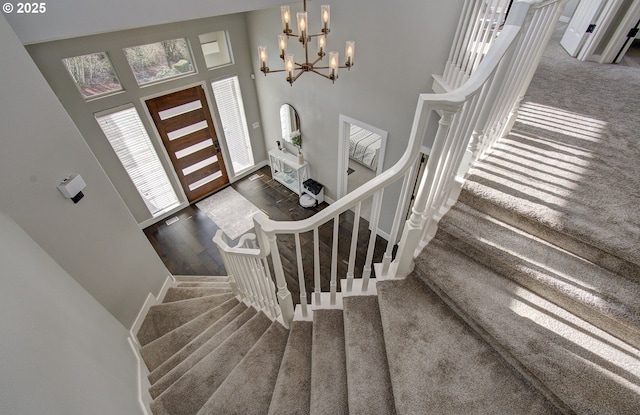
[166, 160]
[619, 38]
[604, 20]
[584, 15]
[343, 149]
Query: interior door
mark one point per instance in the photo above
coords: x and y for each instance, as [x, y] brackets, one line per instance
[184, 123]
[586, 14]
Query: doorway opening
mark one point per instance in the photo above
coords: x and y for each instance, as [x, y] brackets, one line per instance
[360, 157]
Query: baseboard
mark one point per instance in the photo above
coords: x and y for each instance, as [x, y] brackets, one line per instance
[252, 170]
[144, 398]
[150, 301]
[152, 221]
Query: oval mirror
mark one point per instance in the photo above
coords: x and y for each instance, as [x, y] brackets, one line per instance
[289, 121]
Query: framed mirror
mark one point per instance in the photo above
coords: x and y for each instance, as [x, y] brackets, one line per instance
[289, 121]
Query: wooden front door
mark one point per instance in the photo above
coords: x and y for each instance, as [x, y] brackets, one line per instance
[185, 125]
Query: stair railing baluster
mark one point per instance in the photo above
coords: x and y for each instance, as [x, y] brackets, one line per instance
[333, 285]
[375, 219]
[354, 246]
[301, 282]
[316, 268]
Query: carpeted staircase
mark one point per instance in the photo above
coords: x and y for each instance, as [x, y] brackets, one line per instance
[525, 302]
[526, 329]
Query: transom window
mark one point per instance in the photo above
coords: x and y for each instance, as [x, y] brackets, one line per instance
[215, 49]
[93, 74]
[160, 61]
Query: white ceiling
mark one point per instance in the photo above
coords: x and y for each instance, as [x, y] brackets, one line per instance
[65, 19]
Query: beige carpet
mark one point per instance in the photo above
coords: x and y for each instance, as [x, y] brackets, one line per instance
[571, 162]
[230, 211]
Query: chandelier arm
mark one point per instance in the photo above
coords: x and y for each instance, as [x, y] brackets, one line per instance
[297, 76]
[321, 74]
[273, 70]
[318, 59]
[317, 35]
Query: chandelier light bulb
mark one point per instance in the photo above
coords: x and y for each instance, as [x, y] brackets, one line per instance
[262, 54]
[322, 43]
[302, 22]
[350, 51]
[282, 43]
[285, 14]
[325, 17]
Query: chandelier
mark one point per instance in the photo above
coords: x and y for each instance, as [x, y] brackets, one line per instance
[294, 69]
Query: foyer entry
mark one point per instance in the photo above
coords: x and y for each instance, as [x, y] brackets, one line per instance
[184, 123]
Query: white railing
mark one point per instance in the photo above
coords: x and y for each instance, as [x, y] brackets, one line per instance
[470, 118]
[248, 271]
[479, 25]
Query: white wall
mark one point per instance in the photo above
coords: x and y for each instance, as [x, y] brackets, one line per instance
[61, 352]
[96, 241]
[66, 19]
[399, 45]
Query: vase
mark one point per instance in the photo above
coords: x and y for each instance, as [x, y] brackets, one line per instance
[300, 158]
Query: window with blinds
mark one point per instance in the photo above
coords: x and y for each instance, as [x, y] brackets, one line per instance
[126, 134]
[234, 123]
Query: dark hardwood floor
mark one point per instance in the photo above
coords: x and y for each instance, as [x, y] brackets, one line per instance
[186, 246]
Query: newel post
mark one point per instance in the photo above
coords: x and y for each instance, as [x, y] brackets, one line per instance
[413, 227]
[283, 293]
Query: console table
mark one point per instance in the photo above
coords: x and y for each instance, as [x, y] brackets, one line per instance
[286, 170]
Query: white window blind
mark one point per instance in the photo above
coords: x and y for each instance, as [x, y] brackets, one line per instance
[234, 123]
[126, 134]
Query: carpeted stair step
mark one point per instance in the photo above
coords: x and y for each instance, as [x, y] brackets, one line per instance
[190, 355]
[606, 300]
[189, 393]
[200, 278]
[163, 318]
[292, 392]
[248, 388]
[328, 365]
[184, 293]
[517, 211]
[369, 384]
[203, 284]
[162, 348]
[439, 365]
[575, 364]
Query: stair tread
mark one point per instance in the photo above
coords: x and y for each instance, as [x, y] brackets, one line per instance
[262, 360]
[328, 364]
[546, 269]
[574, 362]
[203, 284]
[368, 379]
[181, 362]
[162, 318]
[189, 393]
[517, 210]
[438, 364]
[200, 278]
[292, 392]
[183, 293]
[162, 348]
